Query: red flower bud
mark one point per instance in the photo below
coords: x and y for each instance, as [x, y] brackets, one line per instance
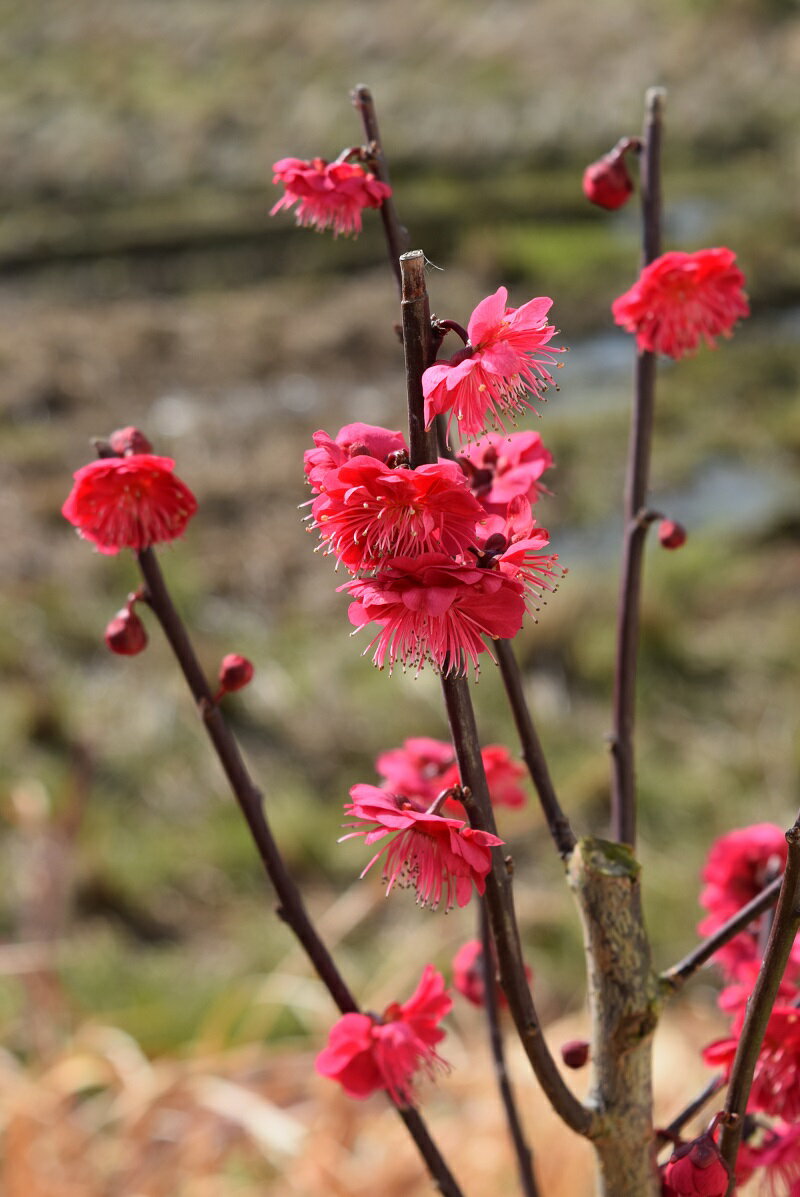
[234, 673]
[126, 441]
[606, 182]
[126, 634]
[671, 534]
[697, 1170]
[575, 1053]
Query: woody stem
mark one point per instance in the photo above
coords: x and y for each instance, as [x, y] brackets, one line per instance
[395, 234]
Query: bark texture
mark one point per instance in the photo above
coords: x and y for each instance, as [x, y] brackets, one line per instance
[623, 999]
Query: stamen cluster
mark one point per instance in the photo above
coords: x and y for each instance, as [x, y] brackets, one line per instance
[430, 563]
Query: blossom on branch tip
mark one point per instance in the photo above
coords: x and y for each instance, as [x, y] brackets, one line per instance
[431, 608]
[352, 440]
[606, 182]
[499, 468]
[366, 1053]
[125, 634]
[503, 361]
[697, 1169]
[129, 502]
[367, 511]
[442, 858]
[681, 299]
[329, 195]
[235, 672]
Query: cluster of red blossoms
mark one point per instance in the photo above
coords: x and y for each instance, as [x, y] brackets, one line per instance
[739, 866]
[432, 562]
[329, 195]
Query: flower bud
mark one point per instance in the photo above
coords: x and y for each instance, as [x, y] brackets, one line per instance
[671, 534]
[126, 634]
[606, 182]
[235, 672]
[575, 1053]
[125, 441]
[697, 1170]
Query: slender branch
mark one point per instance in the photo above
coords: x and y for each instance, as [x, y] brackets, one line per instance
[694, 1107]
[500, 901]
[523, 1152]
[396, 235]
[676, 976]
[417, 339]
[762, 999]
[292, 908]
[623, 796]
[532, 751]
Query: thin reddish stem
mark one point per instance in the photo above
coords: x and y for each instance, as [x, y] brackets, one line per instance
[394, 232]
[623, 795]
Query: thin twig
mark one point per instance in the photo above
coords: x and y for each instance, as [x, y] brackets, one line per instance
[292, 908]
[523, 1152]
[676, 976]
[762, 999]
[396, 235]
[416, 339]
[532, 751]
[623, 796]
[669, 1133]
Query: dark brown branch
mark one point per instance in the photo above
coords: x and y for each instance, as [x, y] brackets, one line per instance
[396, 235]
[292, 908]
[417, 340]
[527, 1179]
[676, 976]
[532, 751]
[500, 902]
[623, 796]
[762, 999]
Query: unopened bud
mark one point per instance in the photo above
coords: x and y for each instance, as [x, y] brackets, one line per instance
[126, 634]
[606, 182]
[575, 1053]
[126, 441]
[697, 1170]
[234, 673]
[671, 534]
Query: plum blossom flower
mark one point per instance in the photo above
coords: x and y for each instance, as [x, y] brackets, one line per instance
[366, 1053]
[681, 299]
[367, 511]
[739, 865]
[422, 767]
[503, 361]
[776, 1082]
[442, 858]
[129, 502]
[469, 976]
[433, 608]
[513, 547]
[329, 195]
[499, 468]
[778, 1153]
[350, 441]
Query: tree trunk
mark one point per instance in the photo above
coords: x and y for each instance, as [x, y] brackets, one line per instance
[623, 1001]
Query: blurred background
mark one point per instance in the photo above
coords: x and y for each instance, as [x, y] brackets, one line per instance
[158, 1023]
